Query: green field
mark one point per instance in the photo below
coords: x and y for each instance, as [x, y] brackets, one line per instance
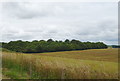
[85, 64]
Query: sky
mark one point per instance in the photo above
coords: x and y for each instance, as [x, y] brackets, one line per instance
[84, 21]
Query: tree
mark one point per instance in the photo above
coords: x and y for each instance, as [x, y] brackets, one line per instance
[67, 41]
[51, 46]
[50, 40]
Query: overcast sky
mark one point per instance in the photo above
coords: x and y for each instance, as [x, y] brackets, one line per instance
[84, 21]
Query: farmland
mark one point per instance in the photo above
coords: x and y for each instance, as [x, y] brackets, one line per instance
[85, 64]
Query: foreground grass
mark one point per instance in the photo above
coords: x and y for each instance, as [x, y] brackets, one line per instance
[74, 65]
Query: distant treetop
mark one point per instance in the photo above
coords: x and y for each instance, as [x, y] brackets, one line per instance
[38, 46]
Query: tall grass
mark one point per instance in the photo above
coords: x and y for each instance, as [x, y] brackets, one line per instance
[25, 66]
[0, 63]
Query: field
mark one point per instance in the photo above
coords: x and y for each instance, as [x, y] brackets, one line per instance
[86, 64]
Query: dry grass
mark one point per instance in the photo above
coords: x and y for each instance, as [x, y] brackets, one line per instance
[74, 65]
[110, 55]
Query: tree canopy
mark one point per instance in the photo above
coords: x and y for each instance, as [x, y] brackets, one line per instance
[51, 45]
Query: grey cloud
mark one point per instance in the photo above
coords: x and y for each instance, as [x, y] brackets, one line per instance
[16, 36]
[60, 21]
[25, 11]
[16, 10]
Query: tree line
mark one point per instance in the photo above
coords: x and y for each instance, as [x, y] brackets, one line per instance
[115, 46]
[51, 45]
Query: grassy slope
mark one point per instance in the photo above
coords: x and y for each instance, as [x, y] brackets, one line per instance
[109, 55]
[89, 64]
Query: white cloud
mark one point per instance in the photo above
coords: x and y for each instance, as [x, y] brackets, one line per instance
[83, 21]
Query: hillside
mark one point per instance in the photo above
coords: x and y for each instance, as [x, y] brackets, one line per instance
[87, 64]
[110, 55]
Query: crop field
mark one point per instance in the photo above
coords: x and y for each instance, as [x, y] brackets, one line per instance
[83, 64]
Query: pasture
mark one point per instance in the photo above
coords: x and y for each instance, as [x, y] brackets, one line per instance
[85, 64]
